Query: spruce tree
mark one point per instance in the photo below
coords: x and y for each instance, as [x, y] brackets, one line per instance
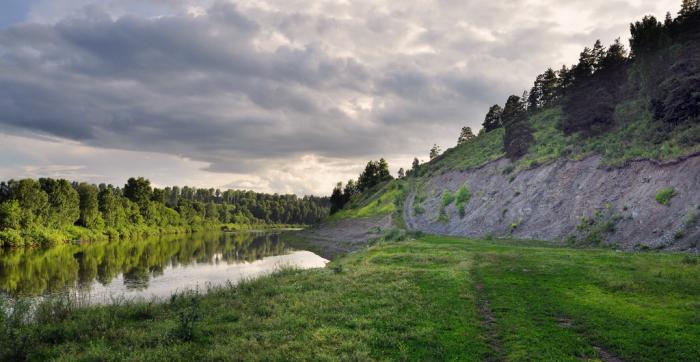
[465, 135]
[518, 135]
[492, 120]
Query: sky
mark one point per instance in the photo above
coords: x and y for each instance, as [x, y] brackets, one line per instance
[284, 96]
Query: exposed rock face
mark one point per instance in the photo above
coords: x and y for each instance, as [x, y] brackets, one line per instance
[549, 202]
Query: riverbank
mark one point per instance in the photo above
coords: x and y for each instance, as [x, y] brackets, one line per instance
[47, 237]
[435, 298]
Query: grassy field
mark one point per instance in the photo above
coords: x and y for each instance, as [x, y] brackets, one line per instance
[435, 298]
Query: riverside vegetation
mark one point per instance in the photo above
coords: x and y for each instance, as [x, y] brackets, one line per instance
[423, 298]
[428, 297]
[47, 212]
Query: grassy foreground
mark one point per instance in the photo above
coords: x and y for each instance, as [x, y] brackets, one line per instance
[435, 298]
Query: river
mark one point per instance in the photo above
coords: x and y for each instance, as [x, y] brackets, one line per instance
[148, 269]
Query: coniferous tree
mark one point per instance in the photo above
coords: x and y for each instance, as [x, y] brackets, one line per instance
[465, 135]
[435, 151]
[518, 133]
[337, 198]
[349, 191]
[550, 88]
[401, 173]
[492, 120]
[415, 166]
[688, 8]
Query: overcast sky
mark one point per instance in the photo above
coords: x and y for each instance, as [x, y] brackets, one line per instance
[284, 96]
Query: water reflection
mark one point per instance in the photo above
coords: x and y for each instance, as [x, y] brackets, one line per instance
[151, 267]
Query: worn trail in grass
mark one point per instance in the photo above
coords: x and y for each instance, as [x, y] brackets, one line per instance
[436, 298]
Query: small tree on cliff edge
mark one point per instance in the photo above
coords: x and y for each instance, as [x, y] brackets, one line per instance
[518, 133]
[435, 151]
[493, 120]
[466, 135]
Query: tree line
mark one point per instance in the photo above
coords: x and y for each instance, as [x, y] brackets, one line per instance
[44, 210]
[375, 172]
[662, 67]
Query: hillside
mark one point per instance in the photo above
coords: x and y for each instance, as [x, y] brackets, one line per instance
[604, 152]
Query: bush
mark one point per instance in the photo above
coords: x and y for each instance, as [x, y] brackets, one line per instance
[447, 198]
[46, 237]
[187, 316]
[11, 238]
[463, 196]
[664, 196]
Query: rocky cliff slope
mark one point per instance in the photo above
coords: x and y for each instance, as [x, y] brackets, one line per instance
[575, 201]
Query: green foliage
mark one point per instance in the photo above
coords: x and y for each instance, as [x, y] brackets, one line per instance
[377, 202]
[63, 201]
[10, 215]
[374, 173]
[90, 216]
[447, 198]
[51, 212]
[138, 190]
[665, 195]
[593, 230]
[493, 118]
[561, 301]
[463, 196]
[518, 132]
[11, 238]
[483, 149]
[188, 311]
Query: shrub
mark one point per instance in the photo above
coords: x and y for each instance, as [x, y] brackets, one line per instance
[463, 196]
[665, 195]
[443, 217]
[11, 238]
[447, 198]
[187, 317]
[46, 237]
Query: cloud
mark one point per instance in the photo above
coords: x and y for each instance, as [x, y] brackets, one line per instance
[245, 89]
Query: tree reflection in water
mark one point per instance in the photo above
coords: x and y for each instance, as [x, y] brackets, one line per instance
[38, 272]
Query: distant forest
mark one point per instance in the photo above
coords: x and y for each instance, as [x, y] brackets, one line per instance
[49, 211]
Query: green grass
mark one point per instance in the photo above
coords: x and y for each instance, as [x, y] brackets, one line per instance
[665, 195]
[378, 203]
[634, 136]
[435, 298]
[477, 152]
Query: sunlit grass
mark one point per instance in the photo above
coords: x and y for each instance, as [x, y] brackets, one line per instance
[413, 299]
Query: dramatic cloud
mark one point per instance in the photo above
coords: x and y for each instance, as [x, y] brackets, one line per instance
[275, 95]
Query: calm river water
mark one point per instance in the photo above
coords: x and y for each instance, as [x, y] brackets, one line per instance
[146, 269]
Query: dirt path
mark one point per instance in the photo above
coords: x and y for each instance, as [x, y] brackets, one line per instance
[603, 354]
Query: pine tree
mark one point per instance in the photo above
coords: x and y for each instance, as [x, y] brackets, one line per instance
[550, 88]
[337, 198]
[401, 173]
[415, 165]
[465, 136]
[492, 120]
[434, 151]
[518, 135]
[689, 7]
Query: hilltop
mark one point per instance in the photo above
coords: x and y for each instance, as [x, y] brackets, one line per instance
[603, 152]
